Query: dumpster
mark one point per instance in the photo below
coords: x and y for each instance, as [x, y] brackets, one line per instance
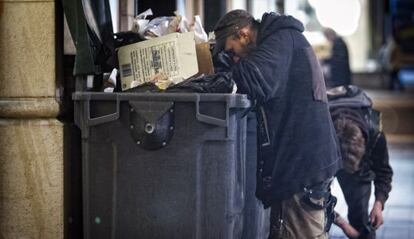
[164, 165]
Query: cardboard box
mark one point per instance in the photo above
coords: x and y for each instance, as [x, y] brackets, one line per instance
[173, 55]
[204, 59]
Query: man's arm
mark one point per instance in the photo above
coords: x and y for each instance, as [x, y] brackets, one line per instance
[383, 177]
[382, 169]
[263, 74]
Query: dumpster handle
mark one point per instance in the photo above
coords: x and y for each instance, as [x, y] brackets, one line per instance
[101, 119]
[210, 119]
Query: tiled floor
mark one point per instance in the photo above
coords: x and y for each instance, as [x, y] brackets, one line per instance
[399, 209]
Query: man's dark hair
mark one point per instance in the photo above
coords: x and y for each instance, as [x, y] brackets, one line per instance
[230, 24]
[352, 143]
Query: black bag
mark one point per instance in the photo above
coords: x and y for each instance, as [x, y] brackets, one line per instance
[217, 83]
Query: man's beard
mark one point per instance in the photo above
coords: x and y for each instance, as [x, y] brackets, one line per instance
[249, 48]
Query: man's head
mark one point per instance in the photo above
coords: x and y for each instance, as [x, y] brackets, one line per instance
[352, 143]
[330, 34]
[236, 32]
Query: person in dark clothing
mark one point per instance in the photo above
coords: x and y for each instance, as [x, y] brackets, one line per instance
[365, 158]
[297, 151]
[337, 70]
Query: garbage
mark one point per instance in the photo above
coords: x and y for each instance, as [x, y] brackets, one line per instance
[110, 81]
[200, 34]
[204, 59]
[126, 38]
[162, 81]
[165, 25]
[217, 83]
[173, 54]
[140, 22]
[90, 81]
[161, 26]
[184, 24]
[164, 51]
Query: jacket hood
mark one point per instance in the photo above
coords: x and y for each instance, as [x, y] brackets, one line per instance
[348, 96]
[271, 22]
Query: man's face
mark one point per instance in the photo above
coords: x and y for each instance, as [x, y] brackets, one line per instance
[240, 45]
[235, 46]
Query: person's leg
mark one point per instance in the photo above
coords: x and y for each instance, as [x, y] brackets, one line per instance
[357, 196]
[293, 219]
[300, 217]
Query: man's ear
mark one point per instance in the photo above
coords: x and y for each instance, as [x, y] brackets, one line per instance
[244, 34]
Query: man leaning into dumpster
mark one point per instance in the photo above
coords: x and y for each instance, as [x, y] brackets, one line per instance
[297, 150]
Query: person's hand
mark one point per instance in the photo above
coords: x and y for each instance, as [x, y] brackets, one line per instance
[347, 228]
[376, 215]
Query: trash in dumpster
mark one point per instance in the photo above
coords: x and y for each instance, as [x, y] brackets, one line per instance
[140, 22]
[161, 26]
[110, 81]
[165, 25]
[162, 81]
[173, 54]
[126, 38]
[204, 59]
[166, 61]
[164, 51]
[200, 34]
[217, 83]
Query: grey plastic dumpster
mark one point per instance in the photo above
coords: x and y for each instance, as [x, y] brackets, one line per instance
[162, 165]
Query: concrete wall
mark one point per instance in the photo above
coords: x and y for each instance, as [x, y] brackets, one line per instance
[31, 139]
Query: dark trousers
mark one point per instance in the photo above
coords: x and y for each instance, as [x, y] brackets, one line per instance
[357, 193]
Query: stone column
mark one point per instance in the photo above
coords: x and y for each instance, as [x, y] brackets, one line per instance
[31, 139]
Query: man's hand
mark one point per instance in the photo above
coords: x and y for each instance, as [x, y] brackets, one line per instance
[349, 230]
[376, 215]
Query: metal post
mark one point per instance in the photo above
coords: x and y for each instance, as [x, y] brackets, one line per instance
[280, 6]
[213, 11]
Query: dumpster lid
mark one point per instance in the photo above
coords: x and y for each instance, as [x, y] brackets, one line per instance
[233, 100]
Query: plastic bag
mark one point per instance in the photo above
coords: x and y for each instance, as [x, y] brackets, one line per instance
[217, 83]
[126, 38]
[109, 81]
[184, 25]
[200, 36]
[161, 26]
[140, 22]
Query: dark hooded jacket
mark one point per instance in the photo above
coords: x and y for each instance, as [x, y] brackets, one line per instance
[297, 146]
